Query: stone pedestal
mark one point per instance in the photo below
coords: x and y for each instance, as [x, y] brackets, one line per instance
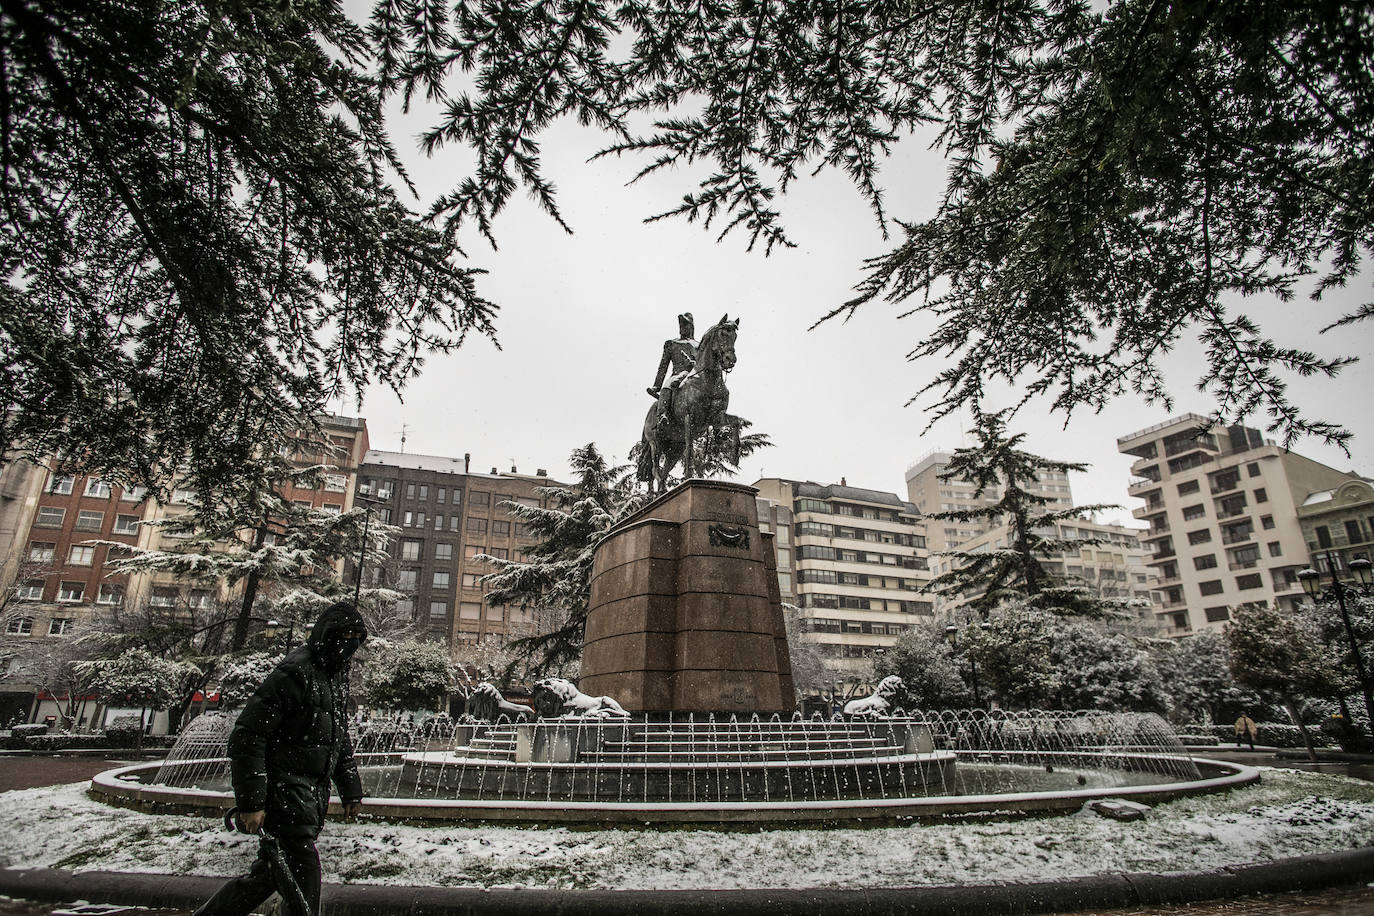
[685, 612]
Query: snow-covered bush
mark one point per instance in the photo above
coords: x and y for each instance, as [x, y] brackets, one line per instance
[407, 675]
[243, 675]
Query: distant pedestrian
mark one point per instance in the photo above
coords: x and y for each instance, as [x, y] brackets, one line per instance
[288, 744]
[1246, 728]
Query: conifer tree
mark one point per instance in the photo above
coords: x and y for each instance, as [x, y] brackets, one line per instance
[992, 576]
[1119, 174]
[555, 579]
[202, 237]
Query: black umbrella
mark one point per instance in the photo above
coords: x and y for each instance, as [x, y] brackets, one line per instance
[290, 891]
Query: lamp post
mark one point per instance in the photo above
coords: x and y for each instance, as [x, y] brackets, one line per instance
[369, 497]
[1311, 583]
[952, 634]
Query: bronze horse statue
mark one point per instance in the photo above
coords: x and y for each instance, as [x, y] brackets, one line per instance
[695, 412]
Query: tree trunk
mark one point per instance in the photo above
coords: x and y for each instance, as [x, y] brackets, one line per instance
[1291, 706]
[250, 593]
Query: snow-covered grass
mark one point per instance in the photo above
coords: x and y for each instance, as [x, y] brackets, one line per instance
[1289, 813]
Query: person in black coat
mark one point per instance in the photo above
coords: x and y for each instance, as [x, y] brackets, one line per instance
[289, 743]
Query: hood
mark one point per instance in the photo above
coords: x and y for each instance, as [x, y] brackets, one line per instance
[339, 616]
[331, 652]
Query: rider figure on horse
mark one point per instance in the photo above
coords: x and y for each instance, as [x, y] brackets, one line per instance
[681, 354]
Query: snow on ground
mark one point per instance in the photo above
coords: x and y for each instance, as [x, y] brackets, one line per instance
[1289, 813]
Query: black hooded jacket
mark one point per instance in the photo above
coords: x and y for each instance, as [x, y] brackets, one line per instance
[292, 738]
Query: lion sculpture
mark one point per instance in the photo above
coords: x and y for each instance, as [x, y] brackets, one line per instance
[486, 703]
[882, 700]
[555, 696]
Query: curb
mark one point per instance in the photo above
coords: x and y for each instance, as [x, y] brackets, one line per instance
[1301, 873]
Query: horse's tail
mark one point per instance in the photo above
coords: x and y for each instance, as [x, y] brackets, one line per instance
[644, 461]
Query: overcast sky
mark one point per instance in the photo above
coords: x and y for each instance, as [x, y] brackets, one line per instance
[583, 318]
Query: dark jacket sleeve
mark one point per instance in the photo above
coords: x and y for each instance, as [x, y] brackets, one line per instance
[257, 723]
[346, 779]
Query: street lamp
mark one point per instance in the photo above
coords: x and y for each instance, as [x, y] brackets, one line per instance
[369, 496]
[952, 634]
[1311, 583]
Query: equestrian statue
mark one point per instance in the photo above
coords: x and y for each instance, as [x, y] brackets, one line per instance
[688, 416]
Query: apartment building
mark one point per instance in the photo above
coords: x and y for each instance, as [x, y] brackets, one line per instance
[1222, 506]
[858, 562]
[58, 576]
[1115, 567]
[778, 519]
[1338, 525]
[448, 516]
[930, 494]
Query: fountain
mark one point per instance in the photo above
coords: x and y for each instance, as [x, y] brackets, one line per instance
[685, 629]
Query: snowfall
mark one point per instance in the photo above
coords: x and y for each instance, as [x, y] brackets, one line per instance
[1287, 814]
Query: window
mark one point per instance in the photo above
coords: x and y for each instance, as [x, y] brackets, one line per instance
[164, 596]
[90, 520]
[1191, 513]
[1261, 496]
[1267, 521]
[441, 579]
[1217, 614]
[785, 582]
[782, 537]
[81, 556]
[134, 494]
[1199, 537]
[500, 529]
[438, 609]
[479, 499]
[19, 626]
[1253, 580]
[477, 526]
[410, 491]
[454, 522]
[1211, 588]
[785, 558]
[473, 550]
[181, 496]
[126, 524]
[61, 485]
[470, 610]
[410, 550]
[1188, 486]
[405, 607]
[1352, 531]
[332, 508]
[439, 521]
[199, 598]
[424, 491]
[457, 498]
[60, 626]
[71, 592]
[1245, 557]
[439, 495]
[110, 595]
[31, 590]
[407, 579]
[1208, 561]
[500, 553]
[50, 517]
[1275, 549]
[470, 580]
[1253, 469]
[335, 483]
[443, 551]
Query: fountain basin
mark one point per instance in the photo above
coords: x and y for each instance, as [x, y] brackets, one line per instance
[124, 786]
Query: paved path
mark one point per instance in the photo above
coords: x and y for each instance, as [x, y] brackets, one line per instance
[23, 771]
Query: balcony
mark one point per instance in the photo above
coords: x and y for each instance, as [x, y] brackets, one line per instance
[1242, 564]
[1238, 536]
[1224, 482]
[1138, 485]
